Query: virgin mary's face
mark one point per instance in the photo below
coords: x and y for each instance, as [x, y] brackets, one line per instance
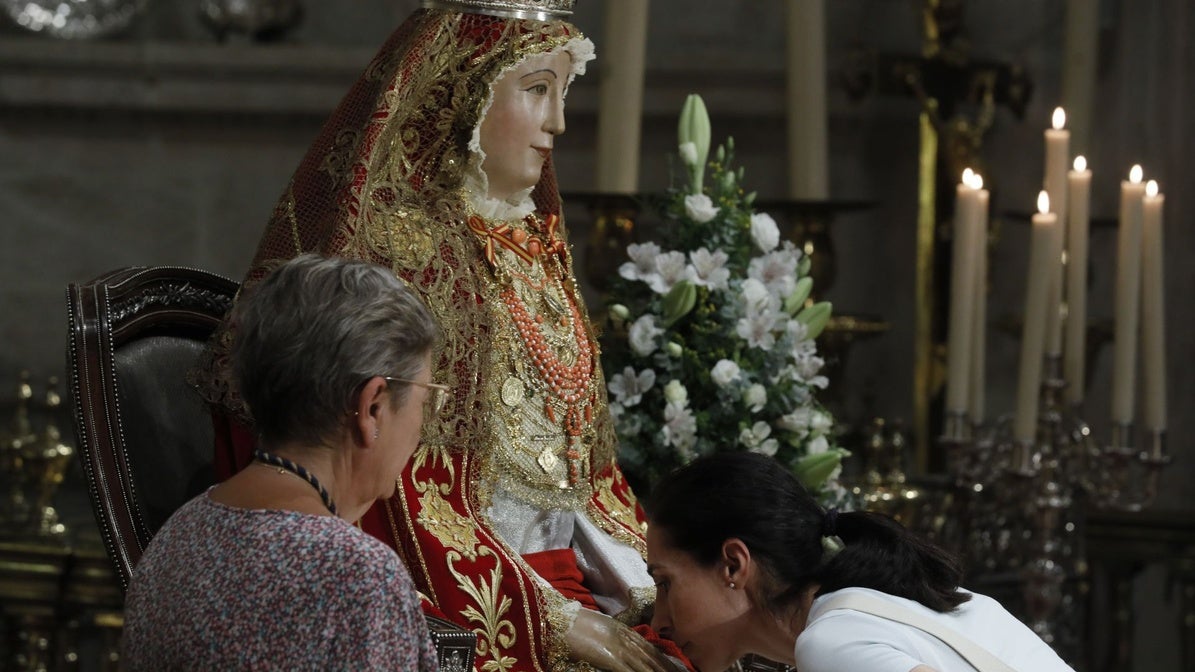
[526, 116]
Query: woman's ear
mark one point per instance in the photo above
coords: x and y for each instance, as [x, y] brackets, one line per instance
[736, 562]
[365, 425]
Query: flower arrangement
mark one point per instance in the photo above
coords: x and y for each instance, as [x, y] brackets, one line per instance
[713, 346]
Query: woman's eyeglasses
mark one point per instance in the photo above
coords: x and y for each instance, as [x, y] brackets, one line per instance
[437, 394]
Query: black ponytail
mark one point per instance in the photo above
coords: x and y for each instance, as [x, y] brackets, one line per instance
[753, 498]
[879, 553]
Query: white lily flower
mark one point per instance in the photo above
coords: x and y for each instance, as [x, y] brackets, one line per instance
[756, 296]
[680, 429]
[776, 270]
[756, 329]
[642, 335]
[628, 387]
[708, 269]
[756, 440]
[670, 269]
[643, 261]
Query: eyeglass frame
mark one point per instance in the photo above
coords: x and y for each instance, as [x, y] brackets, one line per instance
[438, 392]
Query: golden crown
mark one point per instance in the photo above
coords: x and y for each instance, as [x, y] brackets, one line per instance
[538, 10]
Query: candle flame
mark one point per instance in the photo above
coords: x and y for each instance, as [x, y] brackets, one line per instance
[1043, 202]
[966, 179]
[1059, 119]
[1080, 163]
[1151, 188]
[977, 182]
[1135, 174]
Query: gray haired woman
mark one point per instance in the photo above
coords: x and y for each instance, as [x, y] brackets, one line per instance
[266, 570]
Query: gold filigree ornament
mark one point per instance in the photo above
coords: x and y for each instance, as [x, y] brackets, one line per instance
[453, 530]
[614, 506]
[494, 632]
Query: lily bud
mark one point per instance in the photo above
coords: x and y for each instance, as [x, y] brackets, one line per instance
[694, 127]
[815, 318]
[674, 350]
[678, 302]
[813, 470]
[797, 299]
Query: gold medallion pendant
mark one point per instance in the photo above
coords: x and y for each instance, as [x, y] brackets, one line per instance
[513, 392]
[547, 460]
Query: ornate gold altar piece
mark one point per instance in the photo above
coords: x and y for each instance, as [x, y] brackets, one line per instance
[59, 604]
[32, 466]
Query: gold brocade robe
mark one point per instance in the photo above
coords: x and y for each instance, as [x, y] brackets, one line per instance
[523, 457]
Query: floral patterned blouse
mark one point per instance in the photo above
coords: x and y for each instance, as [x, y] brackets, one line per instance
[224, 588]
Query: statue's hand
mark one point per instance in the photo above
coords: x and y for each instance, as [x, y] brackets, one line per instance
[603, 642]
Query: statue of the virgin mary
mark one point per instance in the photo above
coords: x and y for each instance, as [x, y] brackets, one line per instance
[513, 516]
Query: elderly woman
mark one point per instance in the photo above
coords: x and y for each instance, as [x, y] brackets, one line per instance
[266, 570]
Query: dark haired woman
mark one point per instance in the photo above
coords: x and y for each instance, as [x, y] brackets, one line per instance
[746, 561]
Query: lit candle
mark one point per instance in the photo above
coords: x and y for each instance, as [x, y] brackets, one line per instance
[806, 77]
[1128, 289]
[962, 294]
[1153, 322]
[1078, 209]
[979, 324]
[620, 97]
[1057, 153]
[1043, 253]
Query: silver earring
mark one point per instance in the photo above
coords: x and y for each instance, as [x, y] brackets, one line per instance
[732, 585]
[376, 433]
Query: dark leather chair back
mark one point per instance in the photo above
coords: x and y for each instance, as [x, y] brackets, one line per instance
[144, 436]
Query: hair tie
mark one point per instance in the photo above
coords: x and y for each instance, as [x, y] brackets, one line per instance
[831, 544]
[830, 522]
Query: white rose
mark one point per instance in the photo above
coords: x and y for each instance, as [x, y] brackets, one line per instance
[755, 397]
[675, 392]
[688, 153]
[700, 208]
[724, 372]
[764, 232]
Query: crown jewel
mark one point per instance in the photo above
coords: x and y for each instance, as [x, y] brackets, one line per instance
[539, 10]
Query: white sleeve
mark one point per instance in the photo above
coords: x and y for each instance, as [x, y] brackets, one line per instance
[843, 640]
